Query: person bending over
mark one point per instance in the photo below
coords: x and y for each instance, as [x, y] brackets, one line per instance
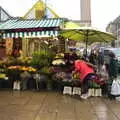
[85, 71]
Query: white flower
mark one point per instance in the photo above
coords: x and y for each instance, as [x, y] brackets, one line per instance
[58, 62]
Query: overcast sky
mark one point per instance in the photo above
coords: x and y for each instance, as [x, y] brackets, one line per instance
[102, 11]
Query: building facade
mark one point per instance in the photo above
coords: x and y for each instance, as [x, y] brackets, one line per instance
[114, 28]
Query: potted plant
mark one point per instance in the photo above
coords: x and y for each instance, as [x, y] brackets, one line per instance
[43, 61]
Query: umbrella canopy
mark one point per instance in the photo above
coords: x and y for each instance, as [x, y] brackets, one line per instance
[71, 25]
[87, 35]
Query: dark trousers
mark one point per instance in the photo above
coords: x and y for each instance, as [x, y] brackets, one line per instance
[85, 84]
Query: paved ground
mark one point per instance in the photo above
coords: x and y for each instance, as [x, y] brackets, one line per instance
[55, 106]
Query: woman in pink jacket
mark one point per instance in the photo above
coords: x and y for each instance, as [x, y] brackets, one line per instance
[85, 71]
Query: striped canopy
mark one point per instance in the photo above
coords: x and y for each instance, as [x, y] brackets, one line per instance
[30, 34]
[26, 28]
[19, 24]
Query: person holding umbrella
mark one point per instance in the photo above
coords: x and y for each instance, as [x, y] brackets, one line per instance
[85, 71]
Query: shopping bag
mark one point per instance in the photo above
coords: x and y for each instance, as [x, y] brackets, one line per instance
[115, 88]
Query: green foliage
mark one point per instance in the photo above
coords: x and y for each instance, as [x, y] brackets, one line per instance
[42, 58]
[39, 59]
[45, 70]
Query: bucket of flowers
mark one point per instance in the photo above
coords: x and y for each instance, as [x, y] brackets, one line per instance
[17, 69]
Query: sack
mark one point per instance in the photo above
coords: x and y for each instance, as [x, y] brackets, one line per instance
[115, 88]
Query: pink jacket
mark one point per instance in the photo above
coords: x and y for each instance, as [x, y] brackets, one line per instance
[83, 68]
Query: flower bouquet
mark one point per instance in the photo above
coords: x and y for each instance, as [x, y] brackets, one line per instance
[22, 68]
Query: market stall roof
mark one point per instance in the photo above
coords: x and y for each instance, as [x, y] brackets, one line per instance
[31, 23]
[4, 15]
[31, 28]
[40, 10]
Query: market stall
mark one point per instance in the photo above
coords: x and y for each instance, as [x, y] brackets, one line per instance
[27, 35]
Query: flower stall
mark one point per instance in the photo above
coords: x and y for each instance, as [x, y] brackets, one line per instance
[63, 65]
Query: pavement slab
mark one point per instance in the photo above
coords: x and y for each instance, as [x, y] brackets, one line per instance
[48, 105]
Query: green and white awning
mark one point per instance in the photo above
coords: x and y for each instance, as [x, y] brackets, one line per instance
[27, 24]
[30, 34]
[31, 28]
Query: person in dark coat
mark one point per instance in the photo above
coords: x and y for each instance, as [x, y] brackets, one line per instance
[100, 59]
[112, 67]
[92, 58]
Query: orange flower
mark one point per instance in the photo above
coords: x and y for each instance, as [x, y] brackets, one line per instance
[13, 67]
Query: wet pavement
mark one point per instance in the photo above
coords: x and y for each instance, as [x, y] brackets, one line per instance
[30, 105]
